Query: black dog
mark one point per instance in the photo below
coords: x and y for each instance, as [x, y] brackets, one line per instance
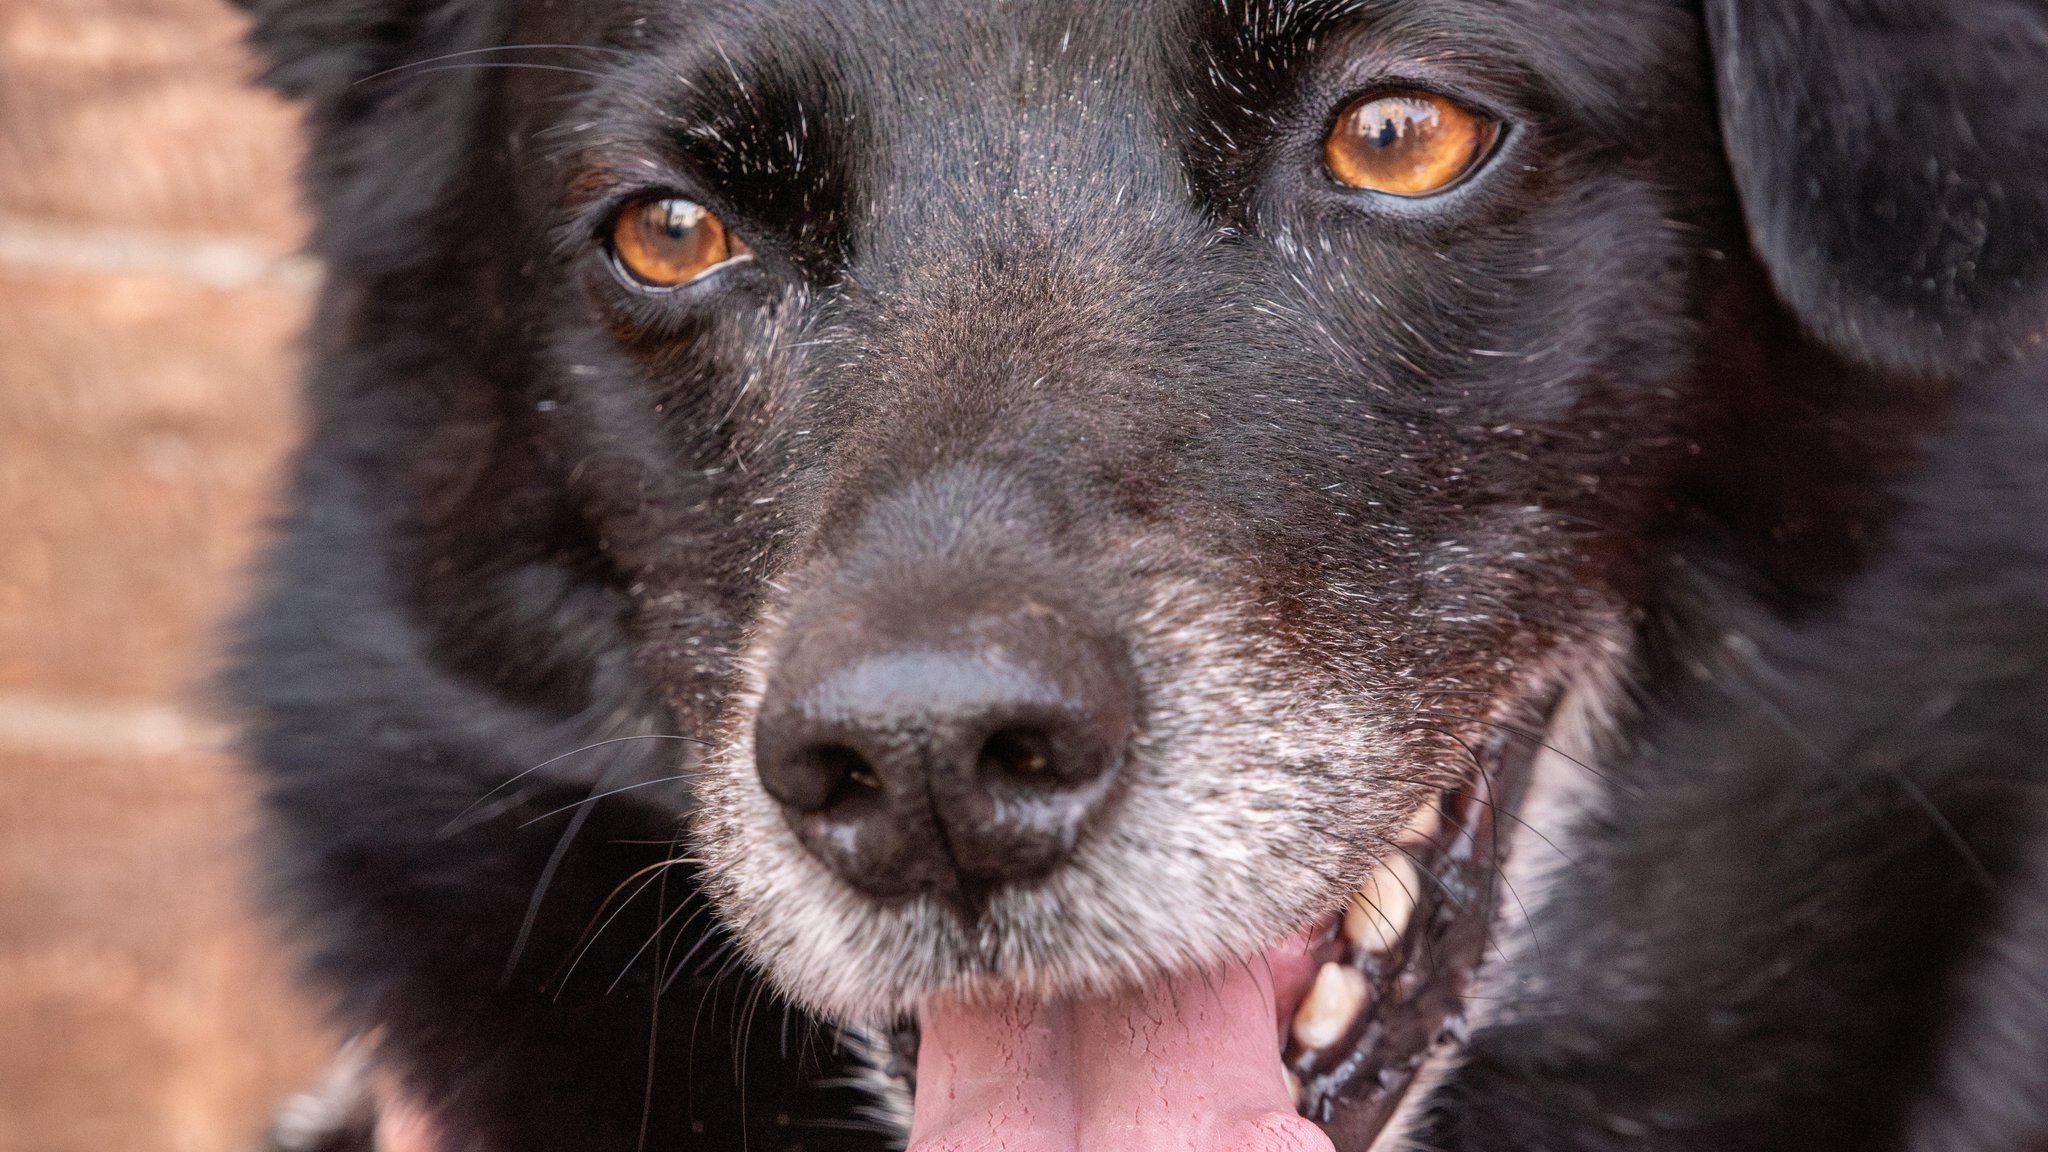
[1503, 542]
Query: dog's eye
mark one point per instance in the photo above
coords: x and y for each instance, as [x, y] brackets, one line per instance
[666, 242]
[1407, 143]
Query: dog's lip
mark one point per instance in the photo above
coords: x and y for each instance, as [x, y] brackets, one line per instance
[1360, 1015]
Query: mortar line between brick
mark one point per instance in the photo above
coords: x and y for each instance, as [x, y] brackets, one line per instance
[51, 724]
[45, 245]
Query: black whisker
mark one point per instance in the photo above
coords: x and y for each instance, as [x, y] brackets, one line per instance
[456, 824]
[719, 950]
[660, 928]
[547, 877]
[1536, 738]
[1943, 826]
[743, 1048]
[653, 1018]
[589, 800]
[1498, 811]
[591, 935]
[1528, 919]
[428, 62]
[725, 968]
[510, 65]
[1419, 869]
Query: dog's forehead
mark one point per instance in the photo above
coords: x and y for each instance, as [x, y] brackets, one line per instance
[828, 119]
[900, 64]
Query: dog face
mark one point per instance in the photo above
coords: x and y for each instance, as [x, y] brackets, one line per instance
[1099, 480]
[1064, 394]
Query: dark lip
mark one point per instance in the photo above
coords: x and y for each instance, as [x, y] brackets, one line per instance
[1417, 1006]
[1418, 997]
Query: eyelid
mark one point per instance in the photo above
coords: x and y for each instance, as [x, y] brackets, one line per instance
[600, 185]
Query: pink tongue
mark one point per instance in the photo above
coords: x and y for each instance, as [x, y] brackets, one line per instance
[1189, 1064]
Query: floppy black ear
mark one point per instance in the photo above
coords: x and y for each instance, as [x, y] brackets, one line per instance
[1892, 158]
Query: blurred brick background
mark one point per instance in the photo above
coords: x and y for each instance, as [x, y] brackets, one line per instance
[149, 305]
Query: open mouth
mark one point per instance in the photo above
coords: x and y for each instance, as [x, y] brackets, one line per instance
[1361, 1004]
[1390, 991]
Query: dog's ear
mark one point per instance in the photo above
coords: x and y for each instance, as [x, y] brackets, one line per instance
[1892, 159]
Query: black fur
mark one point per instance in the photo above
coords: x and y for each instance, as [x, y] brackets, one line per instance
[1826, 825]
[534, 514]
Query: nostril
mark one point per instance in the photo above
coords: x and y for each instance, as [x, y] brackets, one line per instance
[1033, 788]
[857, 777]
[859, 774]
[820, 776]
[842, 764]
[1018, 753]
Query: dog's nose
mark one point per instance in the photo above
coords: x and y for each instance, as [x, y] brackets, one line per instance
[944, 756]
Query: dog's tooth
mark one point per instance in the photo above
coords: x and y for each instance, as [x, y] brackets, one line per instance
[1422, 828]
[1293, 1084]
[1379, 913]
[1332, 1003]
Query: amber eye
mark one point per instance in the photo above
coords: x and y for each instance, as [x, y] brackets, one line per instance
[1407, 143]
[666, 242]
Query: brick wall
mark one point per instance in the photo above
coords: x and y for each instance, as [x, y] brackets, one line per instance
[149, 302]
